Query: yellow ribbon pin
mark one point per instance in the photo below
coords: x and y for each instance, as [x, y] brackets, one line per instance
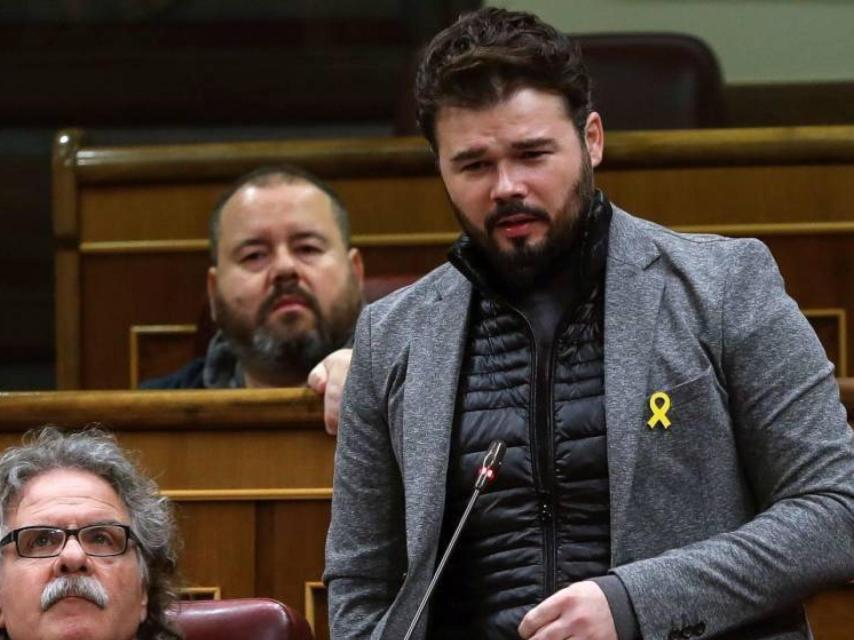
[659, 410]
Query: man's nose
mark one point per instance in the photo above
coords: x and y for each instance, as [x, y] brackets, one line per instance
[509, 184]
[284, 264]
[72, 558]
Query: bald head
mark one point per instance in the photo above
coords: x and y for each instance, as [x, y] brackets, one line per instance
[269, 176]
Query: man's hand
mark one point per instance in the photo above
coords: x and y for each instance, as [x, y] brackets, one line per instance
[580, 612]
[327, 379]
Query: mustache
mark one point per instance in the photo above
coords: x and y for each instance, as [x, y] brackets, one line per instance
[290, 290]
[511, 208]
[74, 586]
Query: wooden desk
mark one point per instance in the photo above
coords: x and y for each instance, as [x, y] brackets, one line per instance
[250, 473]
[130, 224]
[846, 393]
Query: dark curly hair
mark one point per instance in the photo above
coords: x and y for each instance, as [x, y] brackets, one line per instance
[487, 55]
[152, 519]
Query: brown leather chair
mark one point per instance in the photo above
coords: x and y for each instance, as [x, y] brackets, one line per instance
[240, 619]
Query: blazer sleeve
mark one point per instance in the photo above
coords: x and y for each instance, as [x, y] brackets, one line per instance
[796, 450]
[365, 545]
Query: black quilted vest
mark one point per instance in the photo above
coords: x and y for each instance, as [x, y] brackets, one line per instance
[545, 522]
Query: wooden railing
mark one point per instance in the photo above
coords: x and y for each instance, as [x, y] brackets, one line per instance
[250, 473]
[251, 476]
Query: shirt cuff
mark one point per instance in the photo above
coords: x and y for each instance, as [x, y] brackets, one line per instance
[625, 620]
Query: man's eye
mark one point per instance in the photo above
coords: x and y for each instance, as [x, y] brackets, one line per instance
[308, 249]
[472, 167]
[254, 256]
[41, 540]
[533, 154]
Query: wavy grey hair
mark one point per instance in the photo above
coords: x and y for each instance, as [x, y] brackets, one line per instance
[152, 519]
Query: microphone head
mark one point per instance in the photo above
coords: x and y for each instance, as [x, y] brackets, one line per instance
[491, 464]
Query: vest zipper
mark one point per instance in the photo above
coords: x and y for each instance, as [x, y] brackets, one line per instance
[550, 527]
[542, 455]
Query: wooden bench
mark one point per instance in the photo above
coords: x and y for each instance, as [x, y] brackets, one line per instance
[251, 474]
[130, 224]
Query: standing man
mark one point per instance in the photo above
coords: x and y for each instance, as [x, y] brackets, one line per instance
[285, 287]
[679, 464]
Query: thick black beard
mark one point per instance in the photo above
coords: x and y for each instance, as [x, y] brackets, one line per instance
[284, 352]
[525, 267]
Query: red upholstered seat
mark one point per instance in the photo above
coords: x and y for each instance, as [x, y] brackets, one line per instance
[240, 619]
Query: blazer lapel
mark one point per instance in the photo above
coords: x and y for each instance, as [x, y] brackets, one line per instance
[633, 290]
[435, 357]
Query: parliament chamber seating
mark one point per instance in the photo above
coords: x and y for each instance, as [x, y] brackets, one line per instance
[654, 80]
[240, 619]
[640, 80]
[131, 254]
[130, 225]
[250, 473]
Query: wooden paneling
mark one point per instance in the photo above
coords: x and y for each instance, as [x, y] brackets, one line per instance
[317, 609]
[250, 473]
[157, 350]
[131, 221]
[831, 613]
[126, 290]
[846, 392]
[291, 535]
[219, 546]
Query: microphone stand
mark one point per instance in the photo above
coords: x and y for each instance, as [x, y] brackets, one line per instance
[487, 473]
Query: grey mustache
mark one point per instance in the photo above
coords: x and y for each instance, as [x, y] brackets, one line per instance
[74, 586]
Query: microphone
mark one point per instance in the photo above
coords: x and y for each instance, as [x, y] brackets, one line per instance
[486, 474]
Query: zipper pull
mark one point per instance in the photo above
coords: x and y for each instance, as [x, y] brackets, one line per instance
[545, 507]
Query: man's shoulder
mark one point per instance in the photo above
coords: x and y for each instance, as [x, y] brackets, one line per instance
[693, 250]
[190, 376]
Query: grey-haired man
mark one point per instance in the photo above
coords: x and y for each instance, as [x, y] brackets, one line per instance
[87, 543]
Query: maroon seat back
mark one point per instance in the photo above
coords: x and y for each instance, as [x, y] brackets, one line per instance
[240, 619]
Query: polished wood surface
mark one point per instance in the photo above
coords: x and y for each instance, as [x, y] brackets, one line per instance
[831, 613]
[176, 410]
[412, 156]
[846, 392]
[250, 473]
[131, 223]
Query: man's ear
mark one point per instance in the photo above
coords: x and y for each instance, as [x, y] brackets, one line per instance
[143, 613]
[355, 257]
[212, 291]
[594, 138]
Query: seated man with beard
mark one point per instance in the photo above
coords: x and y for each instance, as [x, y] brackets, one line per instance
[285, 287]
[87, 543]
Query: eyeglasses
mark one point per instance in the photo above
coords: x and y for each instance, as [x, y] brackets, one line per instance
[100, 540]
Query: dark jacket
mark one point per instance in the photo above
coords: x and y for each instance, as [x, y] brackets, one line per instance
[219, 369]
[534, 378]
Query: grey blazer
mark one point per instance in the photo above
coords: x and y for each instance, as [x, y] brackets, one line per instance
[722, 522]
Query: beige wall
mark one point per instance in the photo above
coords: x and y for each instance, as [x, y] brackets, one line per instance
[756, 41]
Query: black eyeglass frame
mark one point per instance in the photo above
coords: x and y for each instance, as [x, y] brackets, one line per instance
[12, 536]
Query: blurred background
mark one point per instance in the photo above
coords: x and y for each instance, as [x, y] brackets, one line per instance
[145, 71]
